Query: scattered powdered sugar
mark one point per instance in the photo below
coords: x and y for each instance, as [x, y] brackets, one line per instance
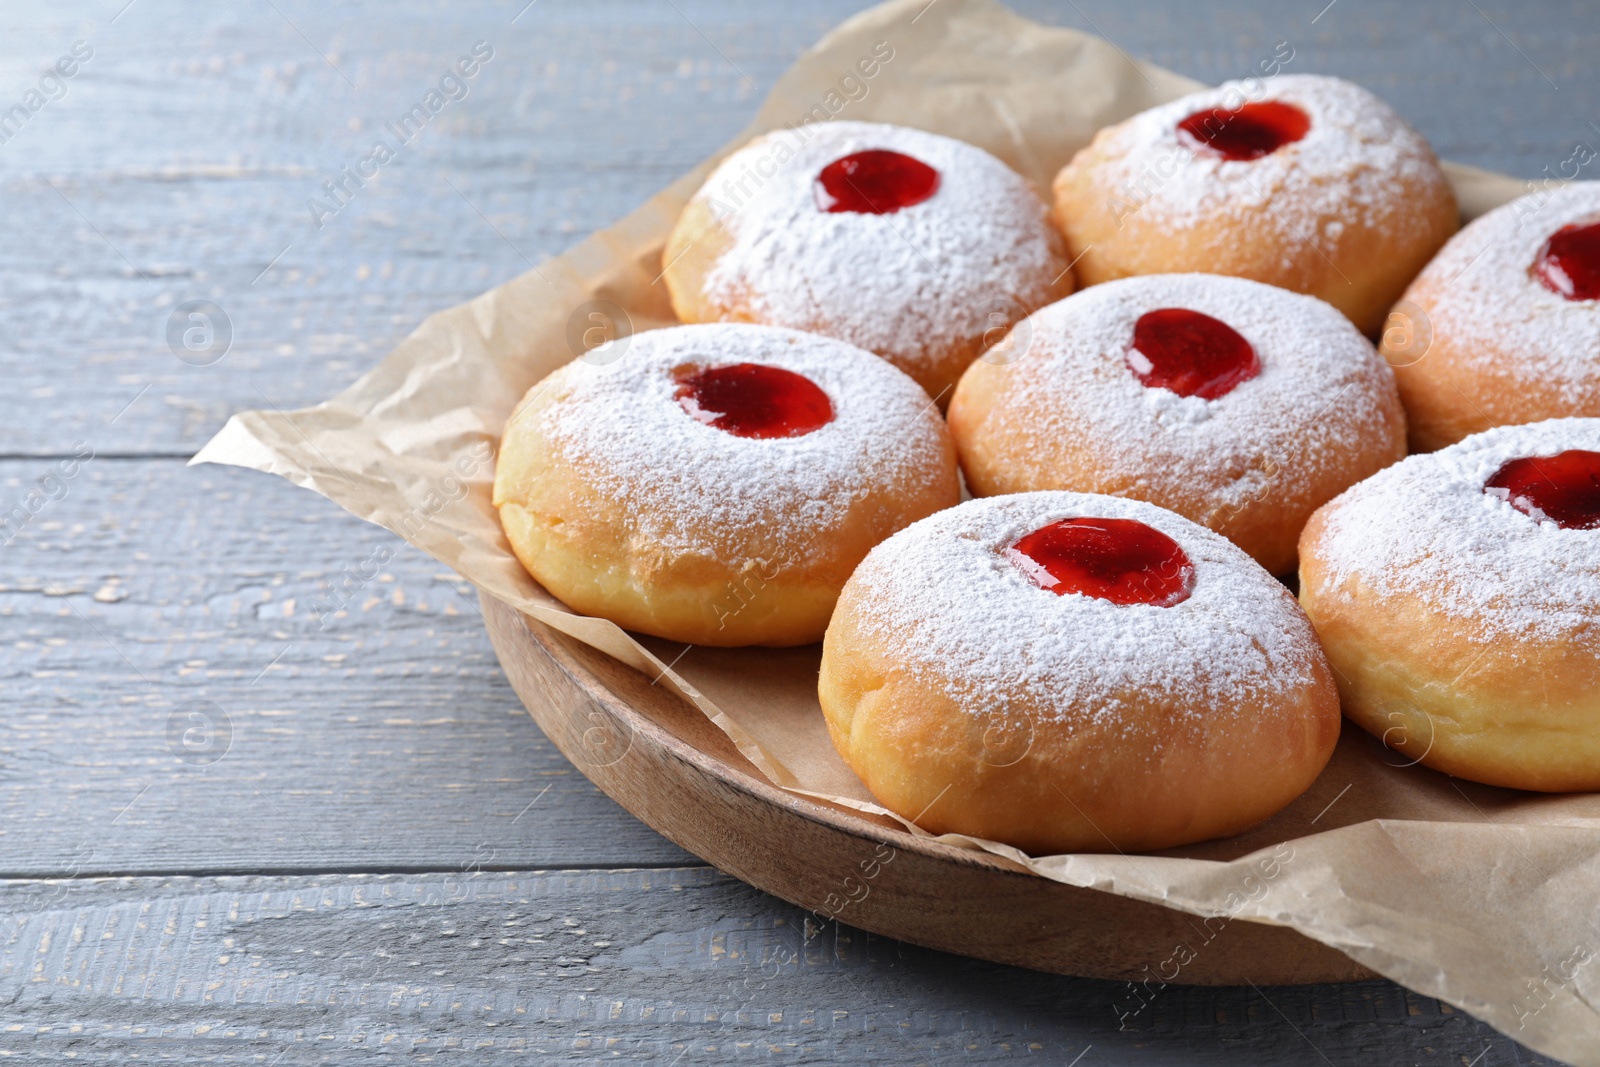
[965, 618]
[1501, 320]
[908, 285]
[1352, 166]
[1425, 528]
[690, 489]
[1320, 392]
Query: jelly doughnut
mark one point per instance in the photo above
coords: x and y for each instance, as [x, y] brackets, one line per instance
[1064, 672]
[719, 484]
[1305, 182]
[1458, 596]
[919, 248]
[1503, 327]
[1238, 405]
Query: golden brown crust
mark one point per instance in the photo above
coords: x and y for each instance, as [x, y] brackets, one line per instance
[1446, 392]
[698, 239]
[1524, 714]
[594, 569]
[1027, 780]
[1018, 429]
[1002, 452]
[575, 544]
[1362, 271]
[599, 549]
[1127, 767]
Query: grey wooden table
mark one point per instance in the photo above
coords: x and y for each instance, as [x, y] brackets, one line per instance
[231, 834]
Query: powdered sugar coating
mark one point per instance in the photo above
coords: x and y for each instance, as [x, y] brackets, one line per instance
[910, 285]
[1352, 168]
[687, 488]
[1321, 391]
[1424, 528]
[966, 619]
[1503, 323]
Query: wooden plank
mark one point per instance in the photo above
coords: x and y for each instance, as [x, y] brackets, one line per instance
[229, 121]
[680, 966]
[381, 737]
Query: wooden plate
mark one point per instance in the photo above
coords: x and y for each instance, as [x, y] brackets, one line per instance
[665, 762]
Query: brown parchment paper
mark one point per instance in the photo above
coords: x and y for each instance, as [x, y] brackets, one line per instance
[1482, 897]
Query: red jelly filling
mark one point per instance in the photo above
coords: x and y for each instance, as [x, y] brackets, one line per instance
[1120, 560]
[1564, 488]
[752, 400]
[1253, 131]
[1190, 353]
[875, 182]
[1569, 263]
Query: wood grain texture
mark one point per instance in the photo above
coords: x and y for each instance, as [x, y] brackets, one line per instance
[178, 166]
[378, 738]
[667, 967]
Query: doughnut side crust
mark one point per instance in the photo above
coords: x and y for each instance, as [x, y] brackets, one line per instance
[1251, 465]
[595, 567]
[1463, 633]
[1059, 724]
[927, 287]
[624, 507]
[1521, 715]
[1491, 345]
[1348, 214]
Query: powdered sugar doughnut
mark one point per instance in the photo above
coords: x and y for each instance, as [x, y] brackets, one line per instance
[1458, 596]
[1066, 672]
[1238, 405]
[1305, 182]
[1504, 325]
[917, 247]
[719, 483]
